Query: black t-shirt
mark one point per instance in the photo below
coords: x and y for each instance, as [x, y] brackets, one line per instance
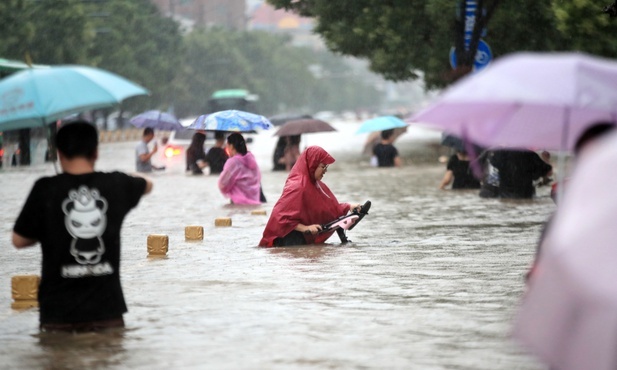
[385, 154]
[77, 219]
[216, 159]
[517, 170]
[463, 177]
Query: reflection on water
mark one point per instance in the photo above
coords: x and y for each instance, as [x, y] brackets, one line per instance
[430, 281]
[78, 351]
[313, 253]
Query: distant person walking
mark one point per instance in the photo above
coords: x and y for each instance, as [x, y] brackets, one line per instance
[196, 155]
[278, 160]
[77, 216]
[143, 156]
[292, 151]
[385, 153]
[217, 156]
[517, 171]
[240, 180]
[459, 173]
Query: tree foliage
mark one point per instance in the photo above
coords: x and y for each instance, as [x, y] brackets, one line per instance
[405, 38]
[132, 39]
[31, 29]
[586, 27]
[268, 66]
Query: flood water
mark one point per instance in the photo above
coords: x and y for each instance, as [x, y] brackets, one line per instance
[431, 280]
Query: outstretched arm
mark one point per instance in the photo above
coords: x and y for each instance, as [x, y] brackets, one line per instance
[447, 179]
[397, 161]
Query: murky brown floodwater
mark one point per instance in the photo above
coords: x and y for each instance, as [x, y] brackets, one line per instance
[432, 279]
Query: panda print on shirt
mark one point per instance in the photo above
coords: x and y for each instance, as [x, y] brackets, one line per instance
[86, 220]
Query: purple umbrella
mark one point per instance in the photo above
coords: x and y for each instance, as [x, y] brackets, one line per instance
[568, 317]
[157, 120]
[528, 100]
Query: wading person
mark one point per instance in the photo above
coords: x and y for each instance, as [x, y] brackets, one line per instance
[76, 216]
[458, 173]
[143, 156]
[217, 156]
[517, 171]
[306, 204]
[386, 153]
[240, 180]
[196, 155]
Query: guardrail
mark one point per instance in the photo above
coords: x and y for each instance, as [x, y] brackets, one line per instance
[132, 134]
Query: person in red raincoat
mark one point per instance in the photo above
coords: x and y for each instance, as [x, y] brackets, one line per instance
[306, 204]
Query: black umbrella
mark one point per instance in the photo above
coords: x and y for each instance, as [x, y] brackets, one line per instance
[303, 126]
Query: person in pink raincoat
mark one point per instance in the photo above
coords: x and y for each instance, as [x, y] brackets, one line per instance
[240, 180]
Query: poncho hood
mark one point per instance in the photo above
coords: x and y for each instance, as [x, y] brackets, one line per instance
[305, 200]
[248, 160]
[240, 180]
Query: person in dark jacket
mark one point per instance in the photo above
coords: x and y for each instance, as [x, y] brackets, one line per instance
[217, 156]
[517, 171]
[195, 154]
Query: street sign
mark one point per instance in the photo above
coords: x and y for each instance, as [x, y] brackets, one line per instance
[470, 21]
[484, 55]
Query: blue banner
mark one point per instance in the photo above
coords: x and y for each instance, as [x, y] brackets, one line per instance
[470, 21]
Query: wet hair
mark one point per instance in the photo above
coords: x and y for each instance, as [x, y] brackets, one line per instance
[198, 140]
[219, 135]
[592, 132]
[237, 141]
[77, 139]
[148, 131]
[295, 139]
[386, 134]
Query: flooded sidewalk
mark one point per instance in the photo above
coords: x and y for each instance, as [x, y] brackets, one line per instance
[431, 280]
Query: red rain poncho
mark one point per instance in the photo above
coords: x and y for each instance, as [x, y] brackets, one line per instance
[304, 201]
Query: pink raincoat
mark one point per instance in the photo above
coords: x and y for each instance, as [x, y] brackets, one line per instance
[241, 180]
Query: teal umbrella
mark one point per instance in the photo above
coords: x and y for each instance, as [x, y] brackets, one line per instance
[37, 96]
[380, 124]
[8, 66]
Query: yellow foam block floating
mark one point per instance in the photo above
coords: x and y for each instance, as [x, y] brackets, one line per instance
[194, 233]
[259, 212]
[24, 290]
[222, 221]
[158, 244]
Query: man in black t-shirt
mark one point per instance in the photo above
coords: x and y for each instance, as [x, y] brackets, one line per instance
[459, 173]
[77, 216]
[385, 153]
